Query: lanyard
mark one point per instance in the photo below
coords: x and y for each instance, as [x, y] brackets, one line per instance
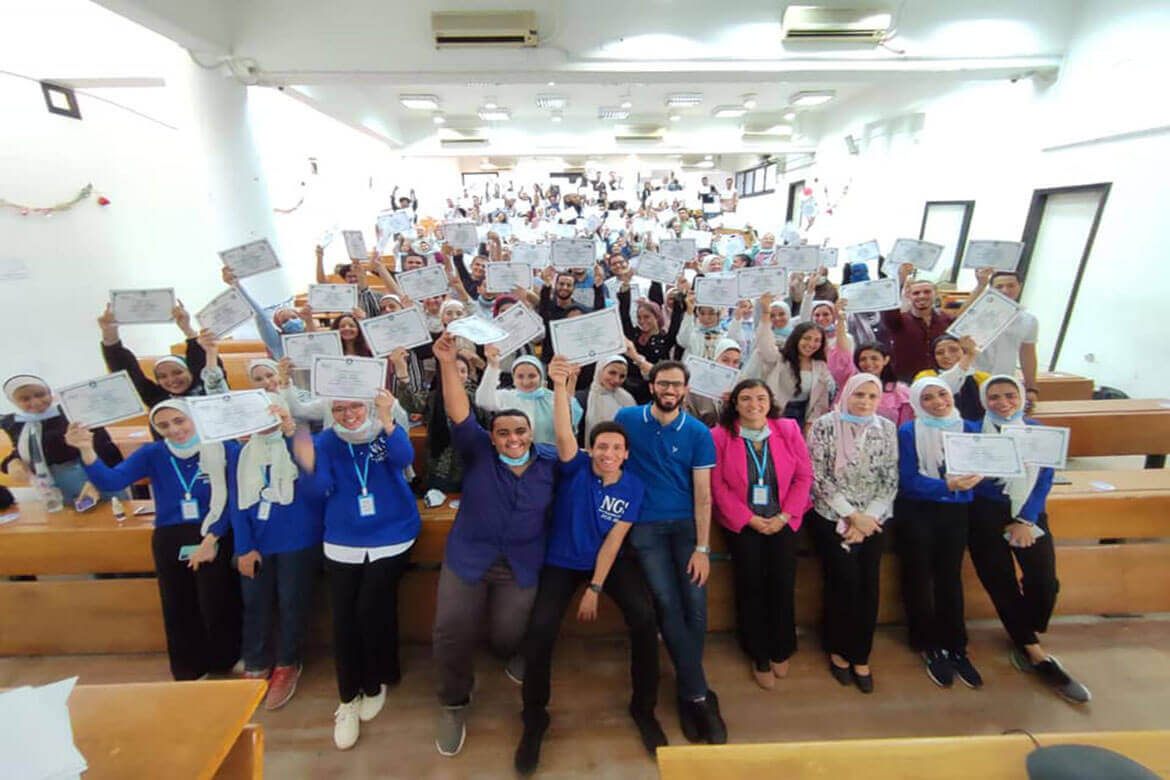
[760, 461]
[363, 473]
[186, 485]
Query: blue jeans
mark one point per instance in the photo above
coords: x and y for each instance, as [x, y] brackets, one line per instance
[285, 580]
[665, 548]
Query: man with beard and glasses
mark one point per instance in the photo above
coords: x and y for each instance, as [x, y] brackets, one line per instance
[673, 454]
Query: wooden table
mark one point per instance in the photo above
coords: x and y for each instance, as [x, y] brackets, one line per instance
[169, 730]
[1059, 386]
[1131, 426]
[1138, 506]
[994, 758]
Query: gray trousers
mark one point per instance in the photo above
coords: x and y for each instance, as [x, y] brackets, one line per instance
[462, 613]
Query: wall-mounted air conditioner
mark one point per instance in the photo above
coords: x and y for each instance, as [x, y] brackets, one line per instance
[639, 134]
[820, 23]
[478, 29]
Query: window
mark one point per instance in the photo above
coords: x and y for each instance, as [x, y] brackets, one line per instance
[946, 222]
[760, 180]
[795, 198]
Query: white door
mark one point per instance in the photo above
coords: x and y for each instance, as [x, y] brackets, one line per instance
[1064, 230]
[943, 225]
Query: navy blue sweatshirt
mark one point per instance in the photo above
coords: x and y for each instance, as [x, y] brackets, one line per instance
[915, 486]
[1033, 508]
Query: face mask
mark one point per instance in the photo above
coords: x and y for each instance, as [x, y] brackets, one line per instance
[294, 325]
[782, 333]
[754, 434]
[538, 393]
[48, 414]
[853, 418]
[193, 441]
[515, 461]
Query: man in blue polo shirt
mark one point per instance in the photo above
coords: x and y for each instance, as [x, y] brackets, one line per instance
[673, 454]
[495, 548]
[597, 500]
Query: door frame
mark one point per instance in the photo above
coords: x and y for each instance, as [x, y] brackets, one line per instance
[961, 246]
[793, 188]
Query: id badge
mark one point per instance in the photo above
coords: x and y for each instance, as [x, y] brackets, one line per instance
[263, 510]
[366, 505]
[189, 508]
[760, 495]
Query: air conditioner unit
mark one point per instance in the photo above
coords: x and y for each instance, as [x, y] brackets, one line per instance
[639, 134]
[457, 138]
[819, 23]
[749, 137]
[508, 29]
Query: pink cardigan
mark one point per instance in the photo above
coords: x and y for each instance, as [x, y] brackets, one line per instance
[729, 479]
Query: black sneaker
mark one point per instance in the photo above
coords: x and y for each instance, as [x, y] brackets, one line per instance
[528, 751]
[653, 737]
[938, 668]
[1054, 675]
[688, 720]
[965, 670]
[710, 721]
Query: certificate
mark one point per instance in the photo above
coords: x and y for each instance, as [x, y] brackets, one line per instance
[710, 379]
[505, 277]
[920, 254]
[990, 315]
[716, 290]
[588, 337]
[102, 401]
[333, 297]
[829, 255]
[348, 377]
[134, 306]
[732, 245]
[643, 225]
[702, 238]
[562, 231]
[393, 222]
[430, 281]
[301, 347]
[461, 235]
[876, 295]
[1040, 445]
[1000, 255]
[250, 259]
[683, 249]
[863, 252]
[522, 325]
[226, 312]
[534, 255]
[986, 454]
[567, 253]
[231, 415]
[477, 330]
[659, 268]
[799, 258]
[405, 328]
[355, 245]
[760, 280]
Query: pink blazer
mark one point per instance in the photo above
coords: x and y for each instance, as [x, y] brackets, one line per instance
[729, 479]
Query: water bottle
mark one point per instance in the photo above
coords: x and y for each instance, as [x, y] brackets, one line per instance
[119, 512]
[48, 491]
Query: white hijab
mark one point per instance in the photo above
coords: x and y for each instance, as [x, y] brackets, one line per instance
[364, 433]
[265, 450]
[212, 462]
[32, 430]
[604, 404]
[1018, 488]
[929, 430]
[538, 404]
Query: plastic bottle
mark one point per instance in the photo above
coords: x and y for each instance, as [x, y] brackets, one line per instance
[48, 492]
[119, 512]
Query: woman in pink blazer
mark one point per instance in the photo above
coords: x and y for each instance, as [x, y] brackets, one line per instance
[760, 487]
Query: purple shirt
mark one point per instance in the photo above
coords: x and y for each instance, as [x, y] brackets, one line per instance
[499, 514]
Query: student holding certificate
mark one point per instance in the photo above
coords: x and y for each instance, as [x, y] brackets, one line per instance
[191, 544]
[529, 394]
[931, 512]
[607, 395]
[877, 359]
[653, 340]
[760, 486]
[797, 373]
[352, 341]
[1016, 345]
[915, 326]
[371, 522]
[1008, 527]
[954, 361]
[707, 410]
[701, 329]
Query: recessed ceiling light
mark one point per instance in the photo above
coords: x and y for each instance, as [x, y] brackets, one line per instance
[438, 119]
[552, 83]
[612, 112]
[814, 97]
[675, 117]
[750, 102]
[789, 116]
[683, 99]
[708, 157]
[494, 113]
[490, 103]
[551, 101]
[419, 102]
[627, 103]
[725, 112]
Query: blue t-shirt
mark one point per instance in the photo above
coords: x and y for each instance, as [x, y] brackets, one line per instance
[585, 511]
[663, 457]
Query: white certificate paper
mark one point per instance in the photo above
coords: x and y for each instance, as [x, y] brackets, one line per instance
[716, 290]
[829, 255]
[1000, 255]
[710, 379]
[231, 415]
[226, 312]
[462, 235]
[355, 245]
[875, 295]
[990, 315]
[505, 277]
[136, 306]
[477, 330]
[350, 378]
[1041, 445]
[799, 258]
[920, 254]
[535, 255]
[301, 347]
[681, 249]
[250, 259]
[863, 252]
[393, 222]
[522, 325]
[588, 337]
[761, 280]
[333, 297]
[986, 454]
[568, 253]
[430, 281]
[404, 328]
[101, 401]
[659, 268]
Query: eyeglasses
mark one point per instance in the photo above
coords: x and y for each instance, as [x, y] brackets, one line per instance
[665, 385]
[346, 408]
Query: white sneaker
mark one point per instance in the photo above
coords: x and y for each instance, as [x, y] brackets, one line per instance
[346, 724]
[371, 705]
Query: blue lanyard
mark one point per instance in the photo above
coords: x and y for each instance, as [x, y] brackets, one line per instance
[363, 473]
[760, 461]
[186, 485]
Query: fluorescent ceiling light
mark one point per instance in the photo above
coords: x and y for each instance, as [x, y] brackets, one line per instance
[612, 112]
[490, 103]
[438, 119]
[750, 102]
[683, 99]
[419, 102]
[496, 114]
[705, 164]
[556, 116]
[551, 101]
[789, 116]
[627, 103]
[675, 117]
[708, 157]
[811, 98]
[725, 112]
[552, 83]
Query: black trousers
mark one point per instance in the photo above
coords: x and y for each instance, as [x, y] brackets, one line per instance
[626, 585]
[852, 583]
[1024, 605]
[201, 608]
[765, 592]
[364, 598]
[932, 536]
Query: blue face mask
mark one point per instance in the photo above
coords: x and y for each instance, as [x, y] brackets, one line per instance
[192, 442]
[782, 333]
[754, 434]
[48, 414]
[853, 418]
[515, 461]
[294, 325]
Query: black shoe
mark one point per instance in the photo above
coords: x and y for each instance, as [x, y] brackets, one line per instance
[864, 682]
[840, 673]
[965, 670]
[1054, 675]
[710, 721]
[938, 668]
[528, 751]
[688, 721]
[653, 737]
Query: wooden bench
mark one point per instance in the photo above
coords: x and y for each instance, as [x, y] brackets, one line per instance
[1131, 426]
[1059, 386]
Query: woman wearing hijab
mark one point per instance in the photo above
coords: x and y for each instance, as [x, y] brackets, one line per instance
[1008, 527]
[371, 522]
[199, 591]
[39, 450]
[932, 516]
[759, 488]
[707, 410]
[606, 394]
[855, 464]
[953, 363]
[276, 528]
[877, 359]
[529, 395]
[652, 339]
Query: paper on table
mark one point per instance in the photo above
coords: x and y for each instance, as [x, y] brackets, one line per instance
[990, 315]
[505, 277]
[430, 281]
[569, 253]
[461, 235]
[301, 347]
[758, 280]
[477, 330]
[250, 259]
[405, 328]
[1041, 445]
[332, 297]
[710, 379]
[535, 255]
[522, 326]
[355, 245]
[863, 252]
[142, 306]
[874, 295]
[104, 400]
[658, 267]
[226, 312]
[1000, 255]
[799, 258]
[36, 734]
[588, 337]
[920, 254]
[719, 291]
[683, 249]
[231, 415]
[986, 454]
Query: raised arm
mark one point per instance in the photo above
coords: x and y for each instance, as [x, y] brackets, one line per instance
[322, 278]
[119, 358]
[454, 398]
[486, 395]
[564, 377]
[264, 325]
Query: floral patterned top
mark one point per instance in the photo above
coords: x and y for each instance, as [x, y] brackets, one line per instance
[870, 482]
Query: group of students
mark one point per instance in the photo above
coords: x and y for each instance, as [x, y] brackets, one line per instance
[609, 478]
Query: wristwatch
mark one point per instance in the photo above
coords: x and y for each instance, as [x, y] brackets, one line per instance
[593, 586]
[702, 548]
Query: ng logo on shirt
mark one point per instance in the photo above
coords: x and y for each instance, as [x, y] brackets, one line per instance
[613, 509]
